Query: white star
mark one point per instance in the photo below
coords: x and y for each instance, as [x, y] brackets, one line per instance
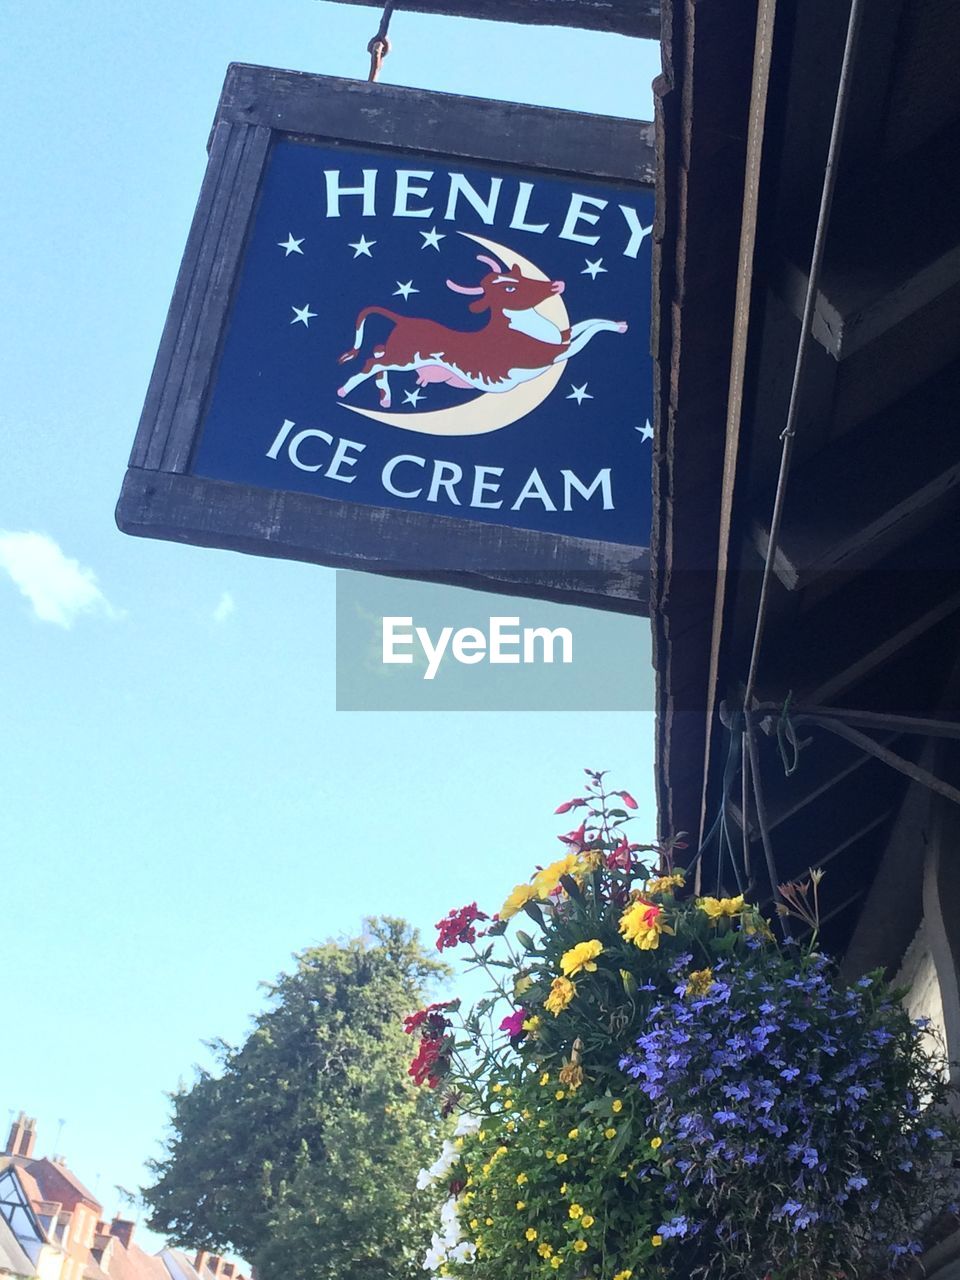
[646, 431]
[303, 314]
[413, 397]
[404, 290]
[362, 246]
[593, 269]
[579, 394]
[432, 238]
[291, 245]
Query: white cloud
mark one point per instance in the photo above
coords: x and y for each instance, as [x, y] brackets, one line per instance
[58, 588]
[226, 605]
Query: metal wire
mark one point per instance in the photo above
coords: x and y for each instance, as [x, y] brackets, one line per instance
[806, 328]
[787, 435]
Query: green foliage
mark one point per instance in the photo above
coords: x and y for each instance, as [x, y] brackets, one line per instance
[674, 1094]
[300, 1152]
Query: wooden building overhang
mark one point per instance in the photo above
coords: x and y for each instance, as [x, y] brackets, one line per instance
[623, 17]
[864, 603]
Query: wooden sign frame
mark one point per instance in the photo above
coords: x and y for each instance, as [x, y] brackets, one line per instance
[160, 497]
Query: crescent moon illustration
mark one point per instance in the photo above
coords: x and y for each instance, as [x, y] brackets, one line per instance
[492, 410]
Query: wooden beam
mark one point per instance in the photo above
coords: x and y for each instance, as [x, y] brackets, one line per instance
[866, 621]
[623, 17]
[834, 522]
[838, 832]
[823, 766]
[893, 249]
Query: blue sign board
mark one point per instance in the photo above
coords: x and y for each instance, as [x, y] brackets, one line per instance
[458, 338]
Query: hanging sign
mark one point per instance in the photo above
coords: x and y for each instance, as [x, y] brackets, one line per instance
[411, 335]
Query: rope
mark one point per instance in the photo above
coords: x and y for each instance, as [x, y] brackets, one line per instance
[379, 46]
[762, 821]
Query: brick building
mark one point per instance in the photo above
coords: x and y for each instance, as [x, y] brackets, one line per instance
[52, 1226]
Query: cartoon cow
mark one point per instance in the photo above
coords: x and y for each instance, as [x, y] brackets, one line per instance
[515, 345]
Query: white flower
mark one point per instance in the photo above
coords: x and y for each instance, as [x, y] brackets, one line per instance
[464, 1252]
[448, 1157]
[467, 1124]
[450, 1222]
[436, 1255]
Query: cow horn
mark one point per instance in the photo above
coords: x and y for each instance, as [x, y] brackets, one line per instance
[494, 266]
[462, 288]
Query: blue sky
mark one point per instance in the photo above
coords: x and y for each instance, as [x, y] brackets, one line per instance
[181, 807]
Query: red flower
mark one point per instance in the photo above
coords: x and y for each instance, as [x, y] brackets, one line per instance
[513, 1023]
[431, 1018]
[576, 838]
[568, 805]
[458, 926]
[627, 799]
[619, 858]
[431, 1063]
[652, 913]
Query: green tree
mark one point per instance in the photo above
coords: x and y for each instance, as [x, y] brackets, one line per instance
[301, 1151]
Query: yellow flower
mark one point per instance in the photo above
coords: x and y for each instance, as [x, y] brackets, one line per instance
[545, 1250]
[521, 1179]
[574, 1133]
[562, 991]
[564, 1188]
[625, 1274]
[656, 1143]
[474, 1223]
[575, 1211]
[664, 884]
[488, 1222]
[521, 1205]
[522, 984]
[610, 1133]
[549, 1154]
[518, 897]
[501, 1151]
[531, 1233]
[581, 958]
[616, 1106]
[556, 1261]
[562, 1158]
[699, 982]
[579, 1246]
[495, 1088]
[587, 1221]
[560, 1095]
[716, 908]
[545, 881]
[545, 1078]
[541, 1124]
[592, 860]
[531, 1025]
[656, 1241]
[643, 923]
